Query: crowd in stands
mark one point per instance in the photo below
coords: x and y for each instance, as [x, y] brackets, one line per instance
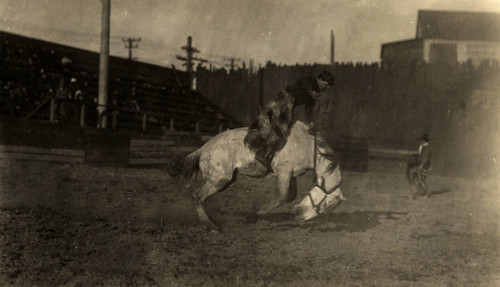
[32, 75]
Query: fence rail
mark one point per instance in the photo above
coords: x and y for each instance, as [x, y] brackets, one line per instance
[41, 154]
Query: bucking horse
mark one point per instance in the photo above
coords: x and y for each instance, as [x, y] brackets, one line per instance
[225, 155]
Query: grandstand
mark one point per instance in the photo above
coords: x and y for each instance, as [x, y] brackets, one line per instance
[46, 81]
[48, 108]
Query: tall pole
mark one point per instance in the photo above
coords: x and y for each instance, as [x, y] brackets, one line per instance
[189, 61]
[102, 100]
[332, 48]
[261, 88]
[232, 61]
[130, 45]
[251, 66]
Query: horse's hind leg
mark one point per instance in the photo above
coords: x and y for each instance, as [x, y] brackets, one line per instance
[205, 192]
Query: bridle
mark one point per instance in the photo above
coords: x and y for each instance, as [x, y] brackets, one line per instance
[317, 206]
[326, 192]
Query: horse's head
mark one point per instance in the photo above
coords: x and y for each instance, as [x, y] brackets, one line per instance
[326, 194]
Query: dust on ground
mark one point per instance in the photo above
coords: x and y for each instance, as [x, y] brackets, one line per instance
[76, 225]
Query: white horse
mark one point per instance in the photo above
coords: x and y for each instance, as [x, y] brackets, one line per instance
[224, 155]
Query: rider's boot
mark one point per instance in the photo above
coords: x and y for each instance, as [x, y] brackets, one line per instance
[312, 131]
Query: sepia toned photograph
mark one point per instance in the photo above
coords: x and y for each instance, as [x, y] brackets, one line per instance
[250, 143]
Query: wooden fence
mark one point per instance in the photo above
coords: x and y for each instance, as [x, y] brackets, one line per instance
[390, 107]
[38, 141]
[41, 154]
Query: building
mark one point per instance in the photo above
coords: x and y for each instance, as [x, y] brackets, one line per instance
[449, 37]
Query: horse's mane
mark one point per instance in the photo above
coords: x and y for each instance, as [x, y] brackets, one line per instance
[255, 141]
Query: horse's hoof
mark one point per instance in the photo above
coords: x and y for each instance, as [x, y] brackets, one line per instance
[300, 219]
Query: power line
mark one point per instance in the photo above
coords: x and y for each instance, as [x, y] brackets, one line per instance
[189, 59]
[215, 56]
[158, 44]
[232, 62]
[231, 59]
[216, 63]
[50, 30]
[130, 45]
[157, 54]
[84, 38]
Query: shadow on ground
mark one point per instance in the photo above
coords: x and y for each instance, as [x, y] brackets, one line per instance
[441, 191]
[357, 221]
[432, 193]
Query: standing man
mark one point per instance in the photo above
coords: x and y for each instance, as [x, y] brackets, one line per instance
[419, 167]
[267, 131]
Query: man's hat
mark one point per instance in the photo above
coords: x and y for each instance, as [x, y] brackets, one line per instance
[425, 137]
[327, 76]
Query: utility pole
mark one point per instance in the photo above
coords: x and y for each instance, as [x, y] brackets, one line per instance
[332, 48]
[102, 100]
[261, 88]
[251, 66]
[231, 60]
[129, 44]
[189, 59]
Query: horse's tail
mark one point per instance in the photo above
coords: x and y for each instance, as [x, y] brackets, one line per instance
[271, 125]
[187, 166]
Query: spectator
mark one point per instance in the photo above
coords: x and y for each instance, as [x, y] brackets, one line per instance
[61, 96]
[66, 61]
[6, 100]
[74, 100]
[419, 167]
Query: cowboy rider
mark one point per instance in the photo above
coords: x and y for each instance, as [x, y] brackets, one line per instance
[270, 127]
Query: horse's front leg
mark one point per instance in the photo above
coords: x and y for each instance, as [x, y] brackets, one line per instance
[284, 180]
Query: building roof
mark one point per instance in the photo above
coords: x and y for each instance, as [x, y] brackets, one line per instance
[453, 25]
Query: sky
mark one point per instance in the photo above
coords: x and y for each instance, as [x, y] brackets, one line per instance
[281, 31]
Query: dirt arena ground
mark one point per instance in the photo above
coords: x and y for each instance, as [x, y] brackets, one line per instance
[74, 225]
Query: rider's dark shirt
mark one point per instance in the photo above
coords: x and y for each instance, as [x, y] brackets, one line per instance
[300, 91]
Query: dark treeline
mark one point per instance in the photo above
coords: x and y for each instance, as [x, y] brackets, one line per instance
[388, 106]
